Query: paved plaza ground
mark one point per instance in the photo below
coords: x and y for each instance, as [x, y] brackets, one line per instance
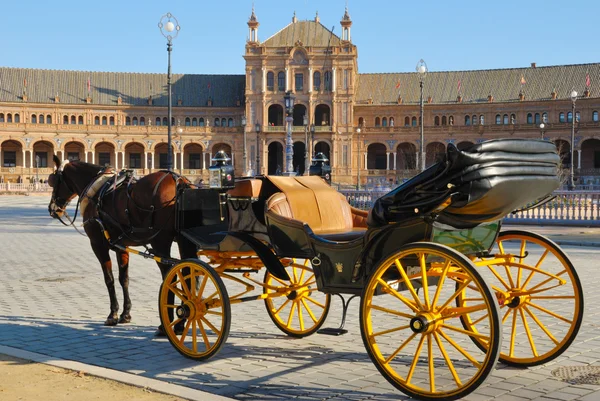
[53, 303]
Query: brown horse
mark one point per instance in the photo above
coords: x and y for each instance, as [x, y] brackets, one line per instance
[136, 213]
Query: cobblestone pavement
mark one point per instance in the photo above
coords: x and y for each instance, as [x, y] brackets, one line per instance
[53, 301]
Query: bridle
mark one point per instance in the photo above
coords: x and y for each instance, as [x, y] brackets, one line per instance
[61, 204]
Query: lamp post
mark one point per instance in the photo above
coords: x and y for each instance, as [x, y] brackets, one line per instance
[358, 159]
[542, 126]
[572, 173]
[257, 129]
[180, 132]
[305, 123]
[289, 144]
[37, 166]
[312, 140]
[422, 71]
[167, 27]
[245, 166]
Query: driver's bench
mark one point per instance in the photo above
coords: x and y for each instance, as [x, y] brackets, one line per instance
[307, 206]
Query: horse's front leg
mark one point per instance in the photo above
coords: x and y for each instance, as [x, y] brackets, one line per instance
[123, 261]
[103, 256]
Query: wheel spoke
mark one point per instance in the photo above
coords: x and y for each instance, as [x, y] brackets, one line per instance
[194, 337]
[396, 294]
[424, 279]
[431, 367]
[204, 335]
[552, 297]
[555, 277]
[289, 321]
[498, 276]
[209, 324]
[447, 359]
[537, 267]
[184, 286]
[203, 285]
[460, 311]
[459, 349]
[177, 292]
[300, 318]
[531, 342]
[506, 315]
[395, 329]
[185, 331]
[468, 333]
[404, 344]
[513, 334]
[310, 312]
[393, 312]
[456, 293]
[407, 282]
[522, 256]
[287, 301]
[415, 360]
[549, 312]
[440, 284]
[541, 326]
[314, 301]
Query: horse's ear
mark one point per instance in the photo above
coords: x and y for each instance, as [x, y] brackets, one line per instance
[56, 161]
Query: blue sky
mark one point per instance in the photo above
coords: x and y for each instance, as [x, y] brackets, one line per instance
[391, 35]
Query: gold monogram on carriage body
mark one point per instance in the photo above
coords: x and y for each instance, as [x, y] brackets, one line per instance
[339, 267]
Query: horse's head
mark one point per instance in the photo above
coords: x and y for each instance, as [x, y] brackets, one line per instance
[62, 190]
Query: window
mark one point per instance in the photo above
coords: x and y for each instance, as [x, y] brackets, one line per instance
[127, 121]
[104, 158]
[96, 120]
[33, 119]
[201, 122]
[467, 120]
[217, 122]
[73, 156]
[172, 121]
[482, 120]
[134, 121]
[474, 120]
[451, 120]
[270, 85]
[407, 121]
[577, 117]
[436, 120]
[43, 157]
[10, 158]
[188, 122]
[346, 79]
[513, 119]
[498, 119]
[223, 122]
[65, 119]
[48, 119]
[595, 116]
[569, 117]
[529, 118]
[561, 117]
[414, 121]
[545, 117]
[111, 120]
[361, 121]
[9, 118]
[317, 80]
[299, 82]
[384, 122]
[230, 122]
[80, 120]
[104, 120]
[135, 160]
[73, 121]
[443, 120]
[505, 119]
[41, 119]
[165, 121]
[17, 118]
[194, 122]
[327, 79]
[195, 161]
[281, 81]
[537, 119]
[377, 121]
[1, 117]
[142, 121]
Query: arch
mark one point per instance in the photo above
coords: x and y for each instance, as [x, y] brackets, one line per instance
[537, 119]
[221, 146]
[12, 153]
[33, 119]
[104, 153]
[570, 117]
[157, 121]
[414, 121]
[384, 122]
[17, 118]
[201, 122]
[406, 156]
[275, 158]
[74, 121]
[376, 156]
[275, 115]
[561, 117]
[44, 150]
[443, 120]
[1, 117]
[142, 121]
[590, 154]
[435, 153]
[407, 121]
[96, 120]
[377, 121]
[65, 119]
[74, 150]
[9, 118]
[467, 120]
[298, 162]
[298, 115]
[230, 122]
[165, 121]
[270, 81]
[223, 122]
[48, 119]
[322, 114]
[105, 120]
[529, 118]
[192, 156]
[564, 150]
[464, 144]
[324, 148]
[217, 122]
[80, 120]
[505, 120]
[498, 119]
[135, 155]
[160, 155]
[436, 120]
[194, 122]
[188, 122]
[41, 119]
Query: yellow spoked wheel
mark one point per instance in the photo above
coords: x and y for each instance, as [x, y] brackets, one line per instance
[411, 327]
[194, 309]
[296, 307]
[540, 296]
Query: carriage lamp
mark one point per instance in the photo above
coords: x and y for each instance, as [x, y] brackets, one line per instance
[221, 174]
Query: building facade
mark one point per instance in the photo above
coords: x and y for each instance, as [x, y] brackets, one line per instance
[368, 125]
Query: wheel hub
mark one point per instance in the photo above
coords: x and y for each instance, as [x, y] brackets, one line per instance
[423, 323]
[185, 311]
[516, 301]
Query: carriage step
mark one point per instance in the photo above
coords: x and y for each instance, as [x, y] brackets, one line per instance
[332, 331]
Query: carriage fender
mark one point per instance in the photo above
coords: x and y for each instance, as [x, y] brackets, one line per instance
[265, 254]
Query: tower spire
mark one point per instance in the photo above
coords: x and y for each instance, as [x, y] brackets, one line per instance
[253, 26]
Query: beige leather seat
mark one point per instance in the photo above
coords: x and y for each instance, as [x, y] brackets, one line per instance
[311, 201]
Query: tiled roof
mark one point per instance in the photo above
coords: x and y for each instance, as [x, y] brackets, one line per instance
[310, 33]
[105, 87]
[475, 86]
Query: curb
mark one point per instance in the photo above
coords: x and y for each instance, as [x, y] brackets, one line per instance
[111, 374]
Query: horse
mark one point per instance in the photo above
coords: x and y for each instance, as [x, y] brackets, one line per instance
[137, 213]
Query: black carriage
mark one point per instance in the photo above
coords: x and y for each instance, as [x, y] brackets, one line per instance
[439, 283]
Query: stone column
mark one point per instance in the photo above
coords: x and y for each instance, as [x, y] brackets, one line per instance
[310, 80]
[85, 157]
[578, 158]
[287, 79]
[333, 79]
[203, 160]
[418, 159]
[264, 80]
[395, 157]
[116, 160]
[123, 159]
[30, 159]
[93, 157]
[181, 160]
[387, 159]
[365, 155]
[152, 160]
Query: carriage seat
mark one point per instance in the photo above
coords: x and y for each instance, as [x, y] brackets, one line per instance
[311, 201]
[246, 188]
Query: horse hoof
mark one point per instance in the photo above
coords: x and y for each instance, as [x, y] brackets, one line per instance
[111, 321]
[125, 319]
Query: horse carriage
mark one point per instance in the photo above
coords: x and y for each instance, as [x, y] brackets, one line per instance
[440, 284]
